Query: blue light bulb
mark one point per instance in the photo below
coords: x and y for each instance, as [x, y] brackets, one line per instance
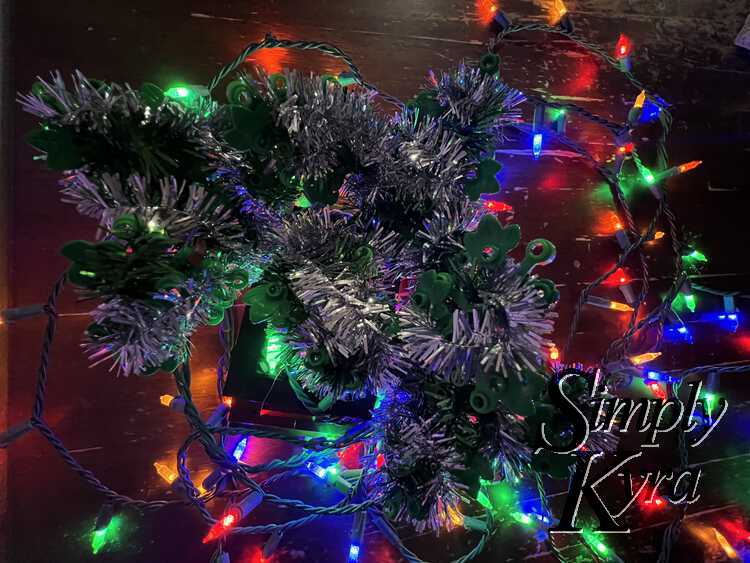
[537, 145]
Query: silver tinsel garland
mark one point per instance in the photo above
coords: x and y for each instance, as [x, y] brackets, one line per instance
[340, 275]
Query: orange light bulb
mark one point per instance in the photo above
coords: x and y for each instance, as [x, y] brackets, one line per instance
[692, 165]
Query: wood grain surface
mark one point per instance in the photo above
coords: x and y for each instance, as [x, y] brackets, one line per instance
[117, 426]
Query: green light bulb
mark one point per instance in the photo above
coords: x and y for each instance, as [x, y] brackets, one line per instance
[696, 255]
[178, 92]
[98, 539]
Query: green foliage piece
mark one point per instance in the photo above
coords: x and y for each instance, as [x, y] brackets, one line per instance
[272, 301]
[242, 93]
[249, 128]
[141, 264]
[127, 226]
[551, 294]
[170, 365]
[489, 244]
[214, 314]
[425, 103]
[40, 91]
[432, 292]
[555, 465]
[239, 279]
[59, 143]
[279, 84]
[324, 191]
[487, 393]
[521, 397]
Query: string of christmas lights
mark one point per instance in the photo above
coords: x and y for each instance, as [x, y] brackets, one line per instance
[195, 240]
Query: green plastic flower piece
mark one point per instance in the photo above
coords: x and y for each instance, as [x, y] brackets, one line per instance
[489, 64]
[484, 182]
[490, 243]
[432, 293]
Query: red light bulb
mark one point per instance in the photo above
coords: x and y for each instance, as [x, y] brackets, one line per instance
[497, 206]
[222, 526]
[379, 461]
[624, 47]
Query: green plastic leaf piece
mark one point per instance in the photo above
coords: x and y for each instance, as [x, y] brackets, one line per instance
[80, 251]
[485, 181]
[249, 131]
[362, 258]
[223, 295]
[539, 252]
[489, 63]
[213, 264]
[279, 84]
[241, 93]
[490, 243]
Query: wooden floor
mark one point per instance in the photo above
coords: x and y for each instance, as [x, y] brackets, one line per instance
[117, 427]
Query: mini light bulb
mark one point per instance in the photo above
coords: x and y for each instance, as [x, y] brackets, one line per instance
[537, 145]
[644, 358]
